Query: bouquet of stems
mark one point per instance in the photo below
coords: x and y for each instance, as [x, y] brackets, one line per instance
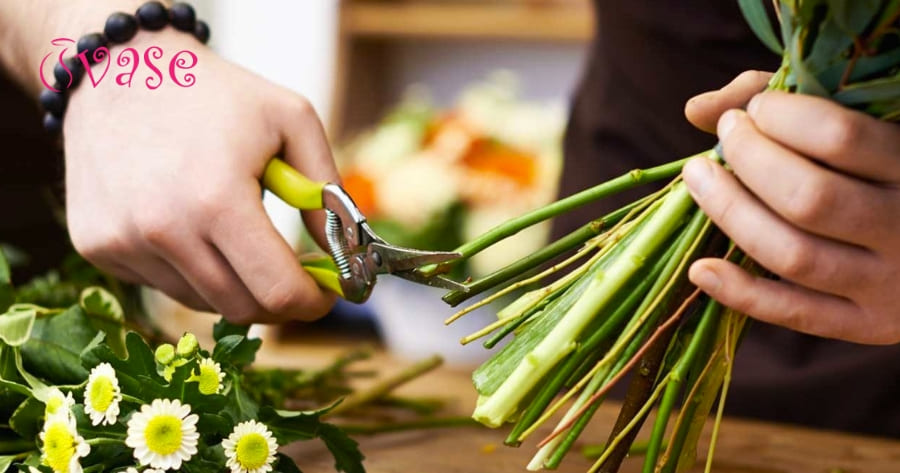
[623, 304]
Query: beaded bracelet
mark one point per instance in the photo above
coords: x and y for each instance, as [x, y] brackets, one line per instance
[119, 28]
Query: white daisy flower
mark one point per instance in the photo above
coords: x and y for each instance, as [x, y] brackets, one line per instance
[250, 448]
[163, 434]
[102, 395]
[62, 446]
[209, 377]
[59, 406]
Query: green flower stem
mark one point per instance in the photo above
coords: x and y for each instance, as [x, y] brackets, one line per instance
[700, 339]
[132, 399]
[497, 408]
[385, 386]
[588, 347]
[606, 189]
[558, 247]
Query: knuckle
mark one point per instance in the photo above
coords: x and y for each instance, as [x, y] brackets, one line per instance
[281, 299]
[811, 201]
[842, 133]
[300, 106]
[797, 261]
[157, 225]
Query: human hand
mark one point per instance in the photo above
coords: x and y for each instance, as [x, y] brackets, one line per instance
[814, 198]
[163, 185]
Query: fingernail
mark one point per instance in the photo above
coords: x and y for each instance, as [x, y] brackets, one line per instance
[706, 279]
[753, 106]
[698, 175]
[727, 122]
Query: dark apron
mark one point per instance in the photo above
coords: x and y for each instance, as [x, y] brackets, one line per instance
[648, 59]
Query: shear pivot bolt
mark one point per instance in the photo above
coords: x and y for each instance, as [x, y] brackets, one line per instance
[376, 258]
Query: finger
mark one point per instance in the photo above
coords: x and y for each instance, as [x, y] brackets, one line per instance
[306, 149]
[815, 262]
[204, 269]
[266, 264]
[785, 304]
[842, 138]
[704, 110]
[804, 193]
[162, 276]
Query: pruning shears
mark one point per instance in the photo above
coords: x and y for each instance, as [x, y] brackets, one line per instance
[358, 255]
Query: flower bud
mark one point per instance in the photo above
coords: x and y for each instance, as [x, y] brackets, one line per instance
[187, 346]
[165, 353]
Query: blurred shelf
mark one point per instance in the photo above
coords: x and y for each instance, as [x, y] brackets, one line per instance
[569, 21]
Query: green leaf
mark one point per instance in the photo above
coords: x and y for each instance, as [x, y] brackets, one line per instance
[806, 81]
[105, 313]
[7, 296]
[223, 328]
[345, 450]
[291, 426]
[285, 464]
[871, 91]
[6, 461]
[755, 13]
[236, 350]
[28, 417]
[15, 327]
[137, 372]
[56, 343]
[854, 15]
[241, 407]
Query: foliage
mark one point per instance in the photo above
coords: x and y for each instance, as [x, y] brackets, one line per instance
[43, 350]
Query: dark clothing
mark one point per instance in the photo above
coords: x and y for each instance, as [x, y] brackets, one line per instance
[648, 59]
[30, 179]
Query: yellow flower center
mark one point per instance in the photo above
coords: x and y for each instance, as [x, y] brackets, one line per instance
[208, 379]
[252, 451]
[59, 446]
[163, 434]
[101, 394]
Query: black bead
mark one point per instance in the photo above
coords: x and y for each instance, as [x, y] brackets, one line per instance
[183, 17]
[91, 43]
[201, 32]
[120, 27]
[52, 124]
[152, 16]
[53, 102]
[75, 68]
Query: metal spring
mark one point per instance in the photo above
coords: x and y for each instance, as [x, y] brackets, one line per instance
[337, 243]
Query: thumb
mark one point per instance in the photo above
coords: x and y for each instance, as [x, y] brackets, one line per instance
[704, 110]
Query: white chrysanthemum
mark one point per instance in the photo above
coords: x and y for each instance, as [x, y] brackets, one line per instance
[61, 444]
[59, 406]
[209, 377]
[102, 395]
[163, 434]
[250, 448]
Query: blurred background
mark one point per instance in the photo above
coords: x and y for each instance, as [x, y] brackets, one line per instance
[446, 117]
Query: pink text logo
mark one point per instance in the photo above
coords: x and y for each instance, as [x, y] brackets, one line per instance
[128, 61]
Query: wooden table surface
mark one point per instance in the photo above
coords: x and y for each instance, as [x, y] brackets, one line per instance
[743, 446]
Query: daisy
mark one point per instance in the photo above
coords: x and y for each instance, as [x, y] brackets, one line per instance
[62, 446]
[102, 395]
[209, 377]
[250, 448]
[163, 434]
[58, 405]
